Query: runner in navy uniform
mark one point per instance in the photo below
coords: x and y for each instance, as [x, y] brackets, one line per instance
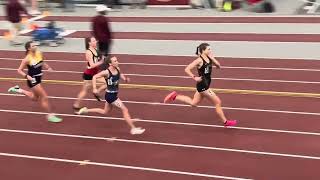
[204, 64]
[112, 75]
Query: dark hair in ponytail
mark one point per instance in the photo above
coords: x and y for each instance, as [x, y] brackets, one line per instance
[201, 48]
[27, 46]
[87, 41]
[108, 60]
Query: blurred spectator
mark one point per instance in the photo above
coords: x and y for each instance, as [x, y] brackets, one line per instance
[13, 14]
[195, 4]
[34, 8]
[208, 4]
[114, 4]
[101, 30]
[259, 6]
[68, 5]
[138, 3]
[219, 4]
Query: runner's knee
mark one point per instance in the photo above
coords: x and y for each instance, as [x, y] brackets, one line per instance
[44, 99]
[34, 98]
[194, 104]
[106, 111]
[218, 101]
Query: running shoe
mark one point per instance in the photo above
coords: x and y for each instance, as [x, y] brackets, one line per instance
[83, 110]
[14, 89]
[54, 119]
[137, 130]
[170, 97]
[230, 123]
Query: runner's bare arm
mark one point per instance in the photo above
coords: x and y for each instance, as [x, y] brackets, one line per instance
[215, 61]
[191, 66]
[46, 65]
[22, 66]
[104, 73]
[123, 77]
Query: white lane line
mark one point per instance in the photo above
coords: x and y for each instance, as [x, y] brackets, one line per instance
[57, 71]
[184, 105]
[120, 166]
[25, 31]
[187, 77]
[48, 60]
[67, 32]
[28, 29]
[271, 68]
[36, 18]
[228, 79]
[169, 122]
[166, 144]
[180, 65]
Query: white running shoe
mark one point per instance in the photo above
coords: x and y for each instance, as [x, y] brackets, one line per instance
[14, 89]
[83, 110]
[53, 118]
[137, 130]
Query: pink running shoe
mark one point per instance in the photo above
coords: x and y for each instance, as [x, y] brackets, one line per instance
[170, 97]
[230, 123]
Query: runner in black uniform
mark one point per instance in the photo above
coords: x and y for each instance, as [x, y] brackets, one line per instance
[112, 75]
[93, 62]
[205, 72]
[34, 62]
[204, 64]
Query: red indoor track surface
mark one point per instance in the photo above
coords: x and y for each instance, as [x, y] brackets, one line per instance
[276, 137]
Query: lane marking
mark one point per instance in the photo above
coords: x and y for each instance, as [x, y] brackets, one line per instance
[26, 25]
[119, 166]
[179, 65]
[166, 144]
[183, 105]
[169, 122]
[187, 77]
[84, 162]
[67, 32]
[182, 88]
